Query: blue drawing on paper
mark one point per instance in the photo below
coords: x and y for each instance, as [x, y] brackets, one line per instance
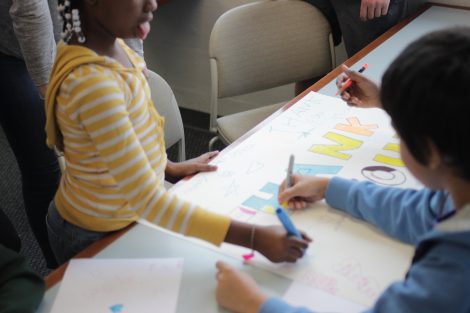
[266, 204]
[117, 308]
[312, 169]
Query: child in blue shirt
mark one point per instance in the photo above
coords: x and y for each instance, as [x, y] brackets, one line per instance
[424, 92]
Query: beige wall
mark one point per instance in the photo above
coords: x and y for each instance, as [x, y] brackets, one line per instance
[177, 49]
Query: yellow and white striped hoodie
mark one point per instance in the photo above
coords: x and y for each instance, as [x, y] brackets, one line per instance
[101, 115]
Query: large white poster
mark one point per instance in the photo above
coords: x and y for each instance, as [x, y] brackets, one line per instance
[348, 258]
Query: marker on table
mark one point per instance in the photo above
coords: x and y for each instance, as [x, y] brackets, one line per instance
[349, 82]
[290, 169]
[281, 214]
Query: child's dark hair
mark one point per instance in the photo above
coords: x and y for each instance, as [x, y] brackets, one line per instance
[426, 91]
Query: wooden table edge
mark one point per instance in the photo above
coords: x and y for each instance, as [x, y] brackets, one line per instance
[57, 275]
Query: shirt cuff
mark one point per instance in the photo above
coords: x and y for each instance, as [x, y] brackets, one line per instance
[276, 305]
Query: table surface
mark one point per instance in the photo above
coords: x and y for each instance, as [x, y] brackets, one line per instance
[198, 281]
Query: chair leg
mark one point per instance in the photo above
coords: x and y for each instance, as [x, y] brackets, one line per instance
[181, 151]
[212, 142]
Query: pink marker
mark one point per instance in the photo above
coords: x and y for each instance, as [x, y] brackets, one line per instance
[349, 82]
[247, 257]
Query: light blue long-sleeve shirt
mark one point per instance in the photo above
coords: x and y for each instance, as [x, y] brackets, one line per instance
[439, 277]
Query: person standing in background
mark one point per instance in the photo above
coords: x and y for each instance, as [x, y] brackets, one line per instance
[360, 21]
[357, 22]
[27, 51]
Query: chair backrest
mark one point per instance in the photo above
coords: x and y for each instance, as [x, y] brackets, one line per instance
[267, 44]
[166, 105]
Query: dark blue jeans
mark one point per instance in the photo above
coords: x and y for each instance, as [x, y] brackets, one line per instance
[67, 239]
[22, 118]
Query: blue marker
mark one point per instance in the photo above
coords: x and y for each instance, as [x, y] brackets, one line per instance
[287, 223]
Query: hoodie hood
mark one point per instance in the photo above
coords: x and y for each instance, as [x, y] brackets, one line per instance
[68, 58]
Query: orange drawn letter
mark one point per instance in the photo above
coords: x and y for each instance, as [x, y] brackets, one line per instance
[356, 127]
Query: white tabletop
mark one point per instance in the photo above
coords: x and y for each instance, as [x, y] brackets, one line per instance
[198, 281]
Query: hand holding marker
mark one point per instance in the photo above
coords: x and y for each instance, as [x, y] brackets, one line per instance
[280, 212]
[349, 82]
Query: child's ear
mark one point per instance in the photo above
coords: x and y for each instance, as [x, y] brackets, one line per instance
[435, 159]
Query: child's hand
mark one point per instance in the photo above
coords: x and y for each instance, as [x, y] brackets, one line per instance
[274, 243]
[192, 166]
[237, 291]
[363, 93]
[304, 191]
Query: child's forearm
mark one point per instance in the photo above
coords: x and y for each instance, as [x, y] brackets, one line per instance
[174, 171]
[170, 168]
[240, 234]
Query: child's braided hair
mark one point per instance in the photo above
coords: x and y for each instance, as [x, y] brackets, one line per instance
[68, 13]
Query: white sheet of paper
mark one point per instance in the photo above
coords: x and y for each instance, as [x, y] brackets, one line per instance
[301, 295]
[119, 286]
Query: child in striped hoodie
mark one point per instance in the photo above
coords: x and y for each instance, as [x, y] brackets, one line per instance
[100, 114]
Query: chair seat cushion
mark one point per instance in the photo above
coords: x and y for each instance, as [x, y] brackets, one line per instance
[233, 126]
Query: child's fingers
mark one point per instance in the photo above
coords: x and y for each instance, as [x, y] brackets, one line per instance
[344, 67]
[286, 195]
[291, 259]
[222, 269]
[306, 237]
[221, 266]
[296, 203]
[342, 77]
[345, 96]
[354, 101]
[294, 254]
[340, 80]
[212, 154]
[299, 243]
[299, 204]
[206, 167]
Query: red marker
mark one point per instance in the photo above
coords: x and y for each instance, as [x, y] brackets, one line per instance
[349, 82]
